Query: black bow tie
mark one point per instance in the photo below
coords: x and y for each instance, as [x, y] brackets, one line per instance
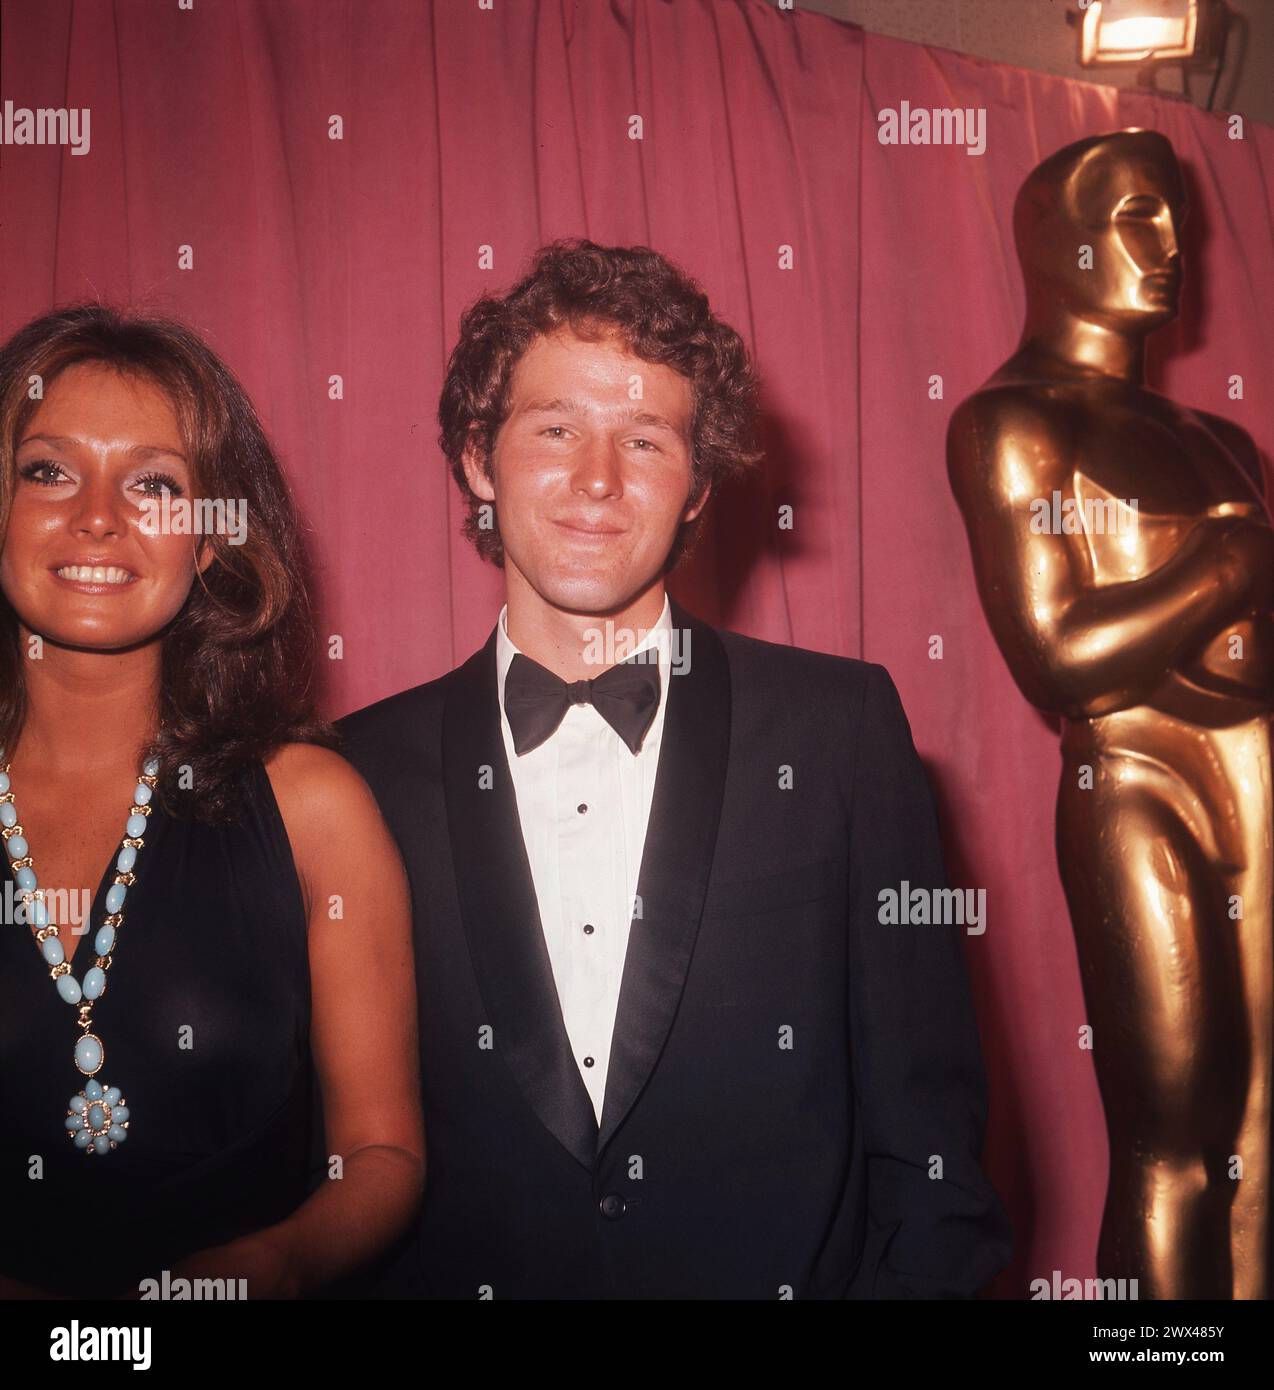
[536, 701]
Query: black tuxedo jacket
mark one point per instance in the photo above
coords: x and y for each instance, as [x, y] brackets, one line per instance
[795, 1098]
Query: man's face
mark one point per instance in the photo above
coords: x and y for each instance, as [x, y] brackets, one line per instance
[591, 472]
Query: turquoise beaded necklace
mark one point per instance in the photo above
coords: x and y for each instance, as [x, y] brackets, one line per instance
[97, 1117]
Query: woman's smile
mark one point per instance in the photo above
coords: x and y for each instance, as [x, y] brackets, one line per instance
[95, 579]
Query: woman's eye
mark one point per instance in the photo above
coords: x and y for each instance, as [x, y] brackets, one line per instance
[159, 485]
[42, 471]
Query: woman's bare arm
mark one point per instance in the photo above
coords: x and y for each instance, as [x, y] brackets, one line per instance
[363, 1037]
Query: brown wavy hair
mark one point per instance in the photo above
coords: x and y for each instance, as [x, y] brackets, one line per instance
[660, 314]
[238, 660]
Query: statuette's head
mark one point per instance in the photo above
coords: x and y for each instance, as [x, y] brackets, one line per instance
[1098, 227]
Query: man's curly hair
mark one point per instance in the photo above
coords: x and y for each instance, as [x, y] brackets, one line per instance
[660, 314]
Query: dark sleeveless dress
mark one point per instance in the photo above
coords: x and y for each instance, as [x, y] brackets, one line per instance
[205, 1028]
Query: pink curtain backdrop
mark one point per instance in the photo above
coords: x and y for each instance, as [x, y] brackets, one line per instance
[465, 128]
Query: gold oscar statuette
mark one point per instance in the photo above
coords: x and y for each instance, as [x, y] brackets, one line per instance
[1125, 560]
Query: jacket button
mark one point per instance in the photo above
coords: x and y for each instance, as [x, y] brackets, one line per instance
[613, 1206]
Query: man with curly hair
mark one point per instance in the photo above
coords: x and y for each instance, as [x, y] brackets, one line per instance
[671, 1044]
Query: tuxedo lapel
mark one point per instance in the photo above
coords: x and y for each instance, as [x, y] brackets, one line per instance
[497, 892]
[501, 916]
[680, 840]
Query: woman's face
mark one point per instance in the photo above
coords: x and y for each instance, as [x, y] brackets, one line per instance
[77, 566]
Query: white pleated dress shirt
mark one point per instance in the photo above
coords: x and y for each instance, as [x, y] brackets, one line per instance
[584, 803]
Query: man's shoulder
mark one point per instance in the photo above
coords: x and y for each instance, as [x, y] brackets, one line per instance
[844, 700]
[417, 708]
[756, 658]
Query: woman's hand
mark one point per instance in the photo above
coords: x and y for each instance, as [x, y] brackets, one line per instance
[257, 1259]
[15, 1289]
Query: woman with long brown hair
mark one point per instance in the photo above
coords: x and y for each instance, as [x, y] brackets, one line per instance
[161, 1022]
